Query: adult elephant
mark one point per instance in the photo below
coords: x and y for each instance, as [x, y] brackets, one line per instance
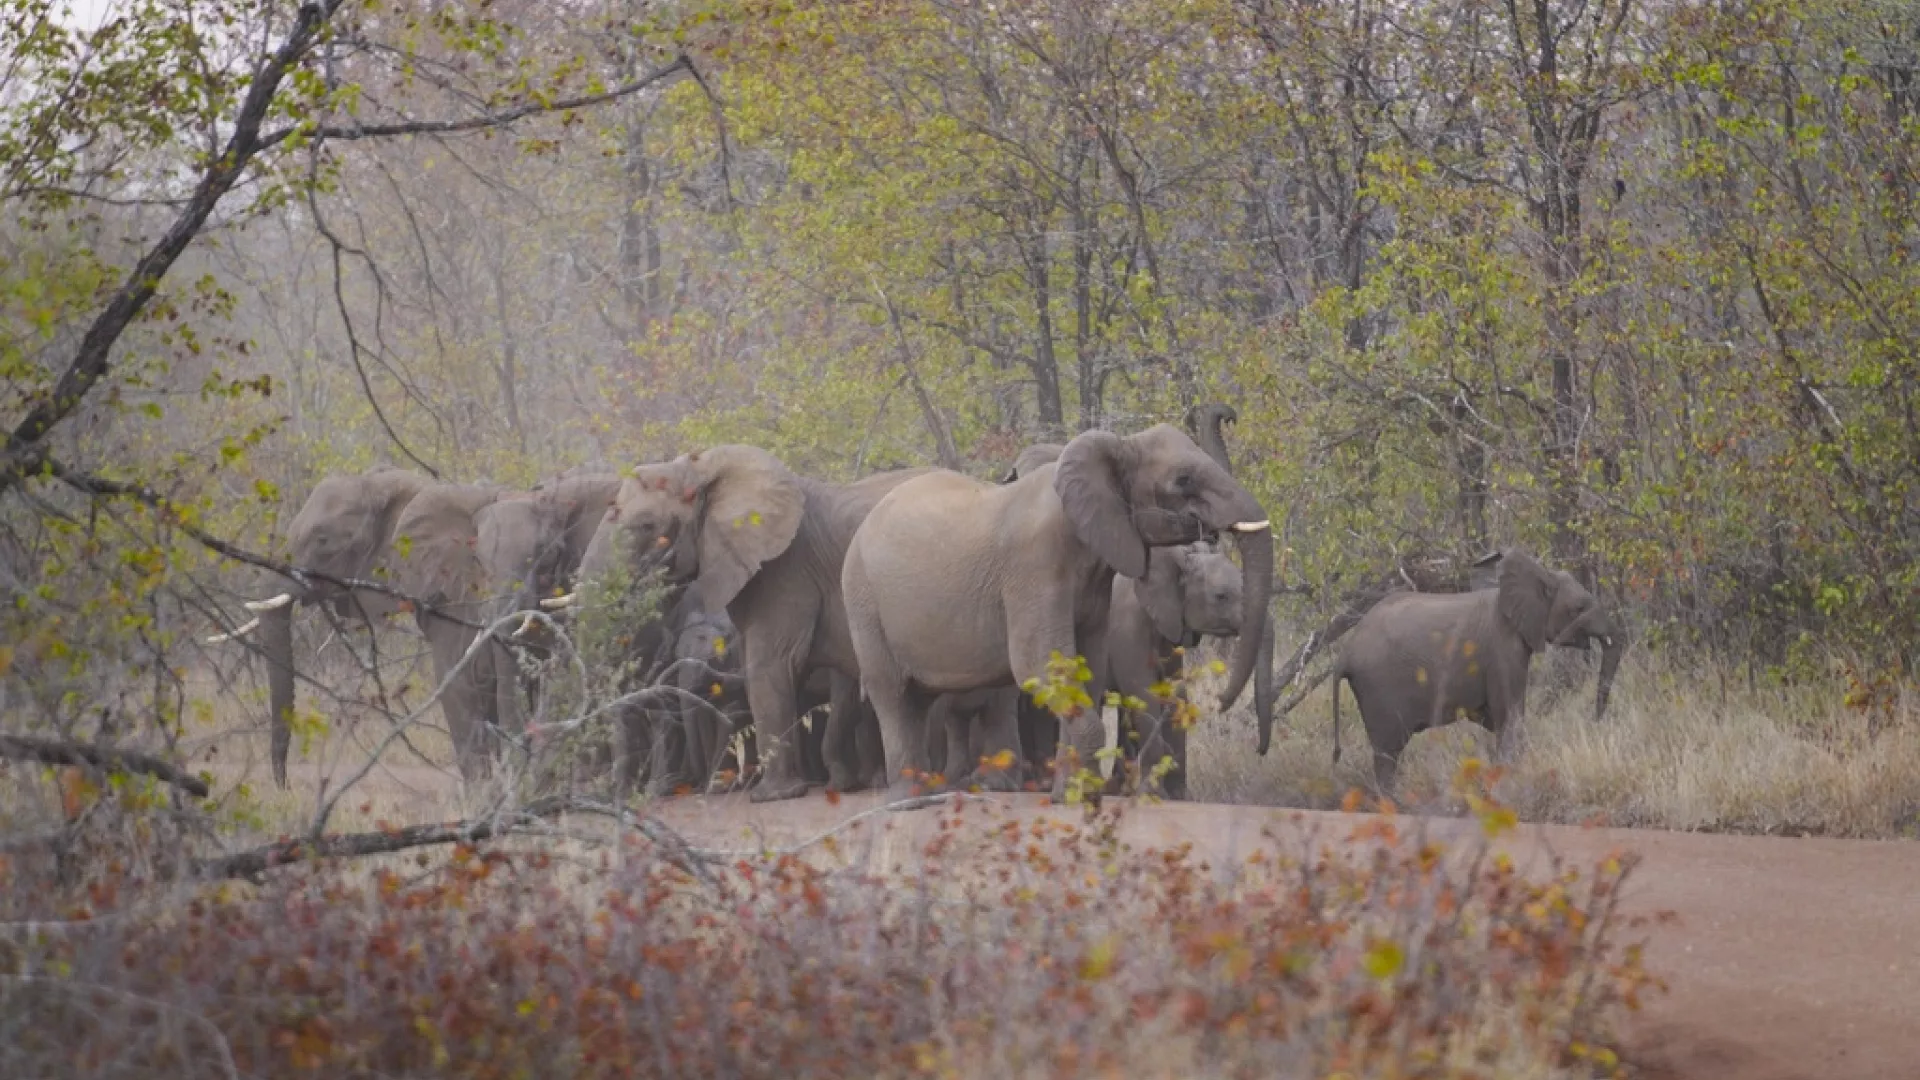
[437, 561]
[953, 584]
[1421, 660]
[343, 532]
[530, 545]
[765, 545]
[1189, 592]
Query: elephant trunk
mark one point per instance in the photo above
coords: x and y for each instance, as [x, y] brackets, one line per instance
[1611, 647]
[1255, 537]
[1263, 684]
[276, 638]
[1206, 421]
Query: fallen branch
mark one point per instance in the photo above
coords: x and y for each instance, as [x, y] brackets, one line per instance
[255, 862]
[63, 752]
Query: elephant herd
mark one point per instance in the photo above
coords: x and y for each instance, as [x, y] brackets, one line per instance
[919, 605]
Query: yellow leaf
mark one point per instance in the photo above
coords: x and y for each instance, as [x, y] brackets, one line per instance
[1384, 959]
[1420, 675]
[754, 517]
[1098, 961]
[719, 646]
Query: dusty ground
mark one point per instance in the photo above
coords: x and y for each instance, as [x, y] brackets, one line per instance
[1790, 959]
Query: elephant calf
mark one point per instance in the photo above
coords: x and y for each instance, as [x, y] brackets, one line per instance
[1421, 660]
[1188, 592]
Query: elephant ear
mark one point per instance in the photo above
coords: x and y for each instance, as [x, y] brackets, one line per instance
[753, 508]
[1093, 494]
[1526, 597]
[1160, 593]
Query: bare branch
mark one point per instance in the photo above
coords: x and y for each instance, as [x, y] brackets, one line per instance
[65, 752]
[355, 132]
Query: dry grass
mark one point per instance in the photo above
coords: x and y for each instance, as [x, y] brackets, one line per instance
[1685, 750]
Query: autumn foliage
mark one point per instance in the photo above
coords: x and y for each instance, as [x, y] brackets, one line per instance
[999, 947]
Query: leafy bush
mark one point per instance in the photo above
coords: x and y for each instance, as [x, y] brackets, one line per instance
[1004, 947]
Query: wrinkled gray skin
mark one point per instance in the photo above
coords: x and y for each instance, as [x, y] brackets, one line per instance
[1188, 592]
[1422, 660]
[437, 560]
[344, 530]
[963, 728]
[713, 707]
[953, 584]
[766, 545]
[530, 545]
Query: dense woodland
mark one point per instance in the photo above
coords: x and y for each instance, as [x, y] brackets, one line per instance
[1629, 283]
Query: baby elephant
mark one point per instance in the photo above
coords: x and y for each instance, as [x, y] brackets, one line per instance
[1421, 660]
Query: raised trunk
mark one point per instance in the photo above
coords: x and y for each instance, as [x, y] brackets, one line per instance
[1206, 422]
[276, 640]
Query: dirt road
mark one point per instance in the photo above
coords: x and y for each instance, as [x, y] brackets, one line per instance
[1792, 959]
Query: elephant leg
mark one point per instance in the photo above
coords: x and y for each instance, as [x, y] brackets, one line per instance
[1082, 736]
[1127, 735]
[771, 692]
[668, 758]
[813, 758]
[845, 771]
[460, 700]
[947, 738]
[1039, 732]
[509, 712]
[868, 745]
[1163, 741]
[997, 732]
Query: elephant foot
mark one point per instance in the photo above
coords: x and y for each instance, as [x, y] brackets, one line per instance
[845, 782]
[778, 789]
[994, 780]
[667, 786]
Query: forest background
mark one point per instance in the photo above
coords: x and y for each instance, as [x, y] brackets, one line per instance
[1629, 283]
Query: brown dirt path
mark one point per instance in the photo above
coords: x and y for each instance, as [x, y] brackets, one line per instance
[1791, 959]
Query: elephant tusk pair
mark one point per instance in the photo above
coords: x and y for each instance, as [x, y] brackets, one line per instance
[1251, 526]
[243, 628]
[273, 604]
[555, 603]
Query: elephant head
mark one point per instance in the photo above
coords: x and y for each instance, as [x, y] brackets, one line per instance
[343, 531]
[1189, 591]
[1127, 495]
[1552, 608]
[532, 543]
[713, 518]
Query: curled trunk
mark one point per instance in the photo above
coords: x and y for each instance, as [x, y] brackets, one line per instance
[1206, 422]
[276, 639]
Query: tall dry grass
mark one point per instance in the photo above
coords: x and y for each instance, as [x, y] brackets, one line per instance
[1681, 747]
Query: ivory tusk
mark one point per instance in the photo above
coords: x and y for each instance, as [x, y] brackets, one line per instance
[274, 604]
[555, 603]
[235, 632]
[1251, 526]
[1606, 642]
[526, 624]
